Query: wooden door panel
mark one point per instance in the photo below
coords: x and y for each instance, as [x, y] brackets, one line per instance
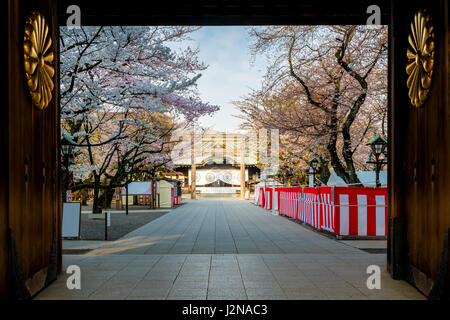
[421, 145]
[32, 202]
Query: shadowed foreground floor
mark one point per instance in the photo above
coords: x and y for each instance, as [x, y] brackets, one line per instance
[226, 249]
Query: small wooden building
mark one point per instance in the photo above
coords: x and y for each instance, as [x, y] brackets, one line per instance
[166, 191]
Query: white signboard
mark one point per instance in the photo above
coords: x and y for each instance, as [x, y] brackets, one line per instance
[108, 219]
[71, 220]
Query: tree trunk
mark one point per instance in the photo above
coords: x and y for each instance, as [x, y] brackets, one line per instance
[84, 197]
[324, 172]
[153, 195]
[340, 170]
[106, 198]
[347, 149]
[96, 204]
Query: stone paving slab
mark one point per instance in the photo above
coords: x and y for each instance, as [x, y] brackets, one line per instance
[83, 244]
[137, 278]
[366, 244]
[222, 226]
[182, 256]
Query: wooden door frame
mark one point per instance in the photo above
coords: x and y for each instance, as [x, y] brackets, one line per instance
[202, 12]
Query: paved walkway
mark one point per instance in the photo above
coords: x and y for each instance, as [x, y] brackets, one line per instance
[226, 249]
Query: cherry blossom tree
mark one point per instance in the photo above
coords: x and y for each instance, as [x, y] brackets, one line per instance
[325, 90]
[123, 92]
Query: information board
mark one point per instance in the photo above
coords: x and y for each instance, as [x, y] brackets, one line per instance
[71, 222]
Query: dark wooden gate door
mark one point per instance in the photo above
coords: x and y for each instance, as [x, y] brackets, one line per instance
[420, 170]
[30, 189]
[419, 156]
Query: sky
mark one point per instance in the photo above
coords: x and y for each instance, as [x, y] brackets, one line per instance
[230, 74]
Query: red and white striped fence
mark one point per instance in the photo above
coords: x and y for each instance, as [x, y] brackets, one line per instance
[310, 207]
[327, 208]
[360, 211]
[345, 211]
[260, 202]
[289, 201]
[268, 198]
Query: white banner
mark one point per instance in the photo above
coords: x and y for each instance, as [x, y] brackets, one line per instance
[207, 176]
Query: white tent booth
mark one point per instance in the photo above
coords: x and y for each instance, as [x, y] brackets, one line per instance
[142, 191]
[166, 190]
[136, 189]
[367, 178]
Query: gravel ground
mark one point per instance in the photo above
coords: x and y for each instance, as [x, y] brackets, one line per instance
[121, 224]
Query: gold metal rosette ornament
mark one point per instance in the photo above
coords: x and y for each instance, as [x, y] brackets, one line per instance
[420, 58]
[38, 58]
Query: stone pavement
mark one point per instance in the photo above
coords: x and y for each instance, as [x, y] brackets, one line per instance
[226, 249]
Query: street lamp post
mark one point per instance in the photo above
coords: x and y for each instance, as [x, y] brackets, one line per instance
[308, 172]
[127, 170]
[313, 163]
[378, 146]
[67, 146]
